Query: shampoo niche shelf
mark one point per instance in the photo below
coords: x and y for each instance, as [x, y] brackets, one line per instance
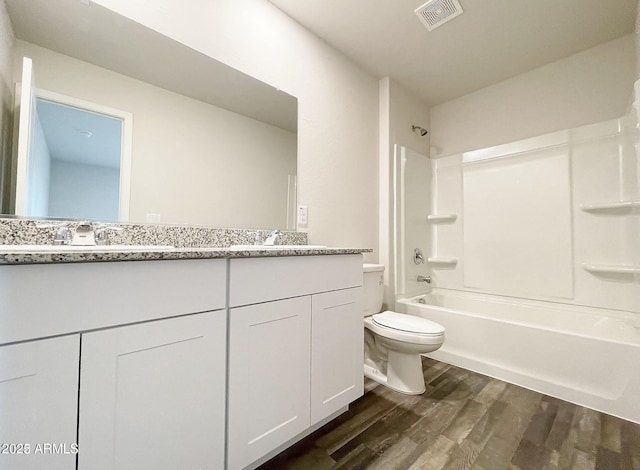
[441, 218]
[617, 206]
[443, 261]
[611, 269]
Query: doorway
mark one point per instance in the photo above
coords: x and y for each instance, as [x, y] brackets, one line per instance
[73, 156]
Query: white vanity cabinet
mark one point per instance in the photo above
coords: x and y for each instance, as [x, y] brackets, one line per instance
[186, 364]
[127, 359]
[295, 348]
[38, 404]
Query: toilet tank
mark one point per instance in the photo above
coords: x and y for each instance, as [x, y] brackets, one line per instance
[372, 287]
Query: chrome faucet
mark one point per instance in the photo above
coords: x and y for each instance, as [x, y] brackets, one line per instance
[257, 237]
[426, 279]
[84, 235]
[63, 232]
[101, 233]
[272, 237]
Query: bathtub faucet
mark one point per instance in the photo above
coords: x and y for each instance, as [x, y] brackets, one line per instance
[426, 279]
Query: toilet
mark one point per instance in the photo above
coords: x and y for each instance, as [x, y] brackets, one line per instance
[394, 341]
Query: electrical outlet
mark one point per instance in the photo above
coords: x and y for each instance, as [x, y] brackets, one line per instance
[302, 215]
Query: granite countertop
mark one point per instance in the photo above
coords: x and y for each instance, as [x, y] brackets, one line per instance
[66, 256]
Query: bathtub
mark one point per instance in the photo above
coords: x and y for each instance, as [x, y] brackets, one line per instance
[583, 355]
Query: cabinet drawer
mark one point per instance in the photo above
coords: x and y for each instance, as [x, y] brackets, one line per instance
[53, 299]
[255, 280]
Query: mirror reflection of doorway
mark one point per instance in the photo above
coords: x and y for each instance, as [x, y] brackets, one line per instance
[74, 163]
[73, 157]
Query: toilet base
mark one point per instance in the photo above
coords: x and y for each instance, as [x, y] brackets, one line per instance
[404, 373]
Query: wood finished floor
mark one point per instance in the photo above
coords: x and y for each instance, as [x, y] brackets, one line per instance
[466, 421]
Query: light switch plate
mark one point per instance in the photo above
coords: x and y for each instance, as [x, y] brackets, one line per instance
[302, 215]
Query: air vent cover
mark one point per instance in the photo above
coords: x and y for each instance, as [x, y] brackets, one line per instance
[435, 13]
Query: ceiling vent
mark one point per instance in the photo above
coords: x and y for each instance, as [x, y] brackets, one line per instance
[435, 13]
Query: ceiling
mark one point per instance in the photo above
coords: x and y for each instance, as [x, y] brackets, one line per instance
[78, 136]
[491, 41]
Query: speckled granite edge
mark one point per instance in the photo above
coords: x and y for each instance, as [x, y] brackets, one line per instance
[178, 254]
[190, 242]
[17, 231]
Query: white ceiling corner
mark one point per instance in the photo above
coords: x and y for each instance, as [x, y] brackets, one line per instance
[491, 41]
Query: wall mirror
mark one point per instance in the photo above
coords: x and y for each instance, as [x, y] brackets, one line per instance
[209, 145]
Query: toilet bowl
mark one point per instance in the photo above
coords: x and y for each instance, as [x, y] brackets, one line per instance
[394, 341]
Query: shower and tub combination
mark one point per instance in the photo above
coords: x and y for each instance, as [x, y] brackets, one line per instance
[534, 256]
[579, 354]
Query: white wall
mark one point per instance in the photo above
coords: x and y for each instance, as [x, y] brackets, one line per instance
[338, 102]
[83, 191]
[192, 163]
[591, 86]
[6, 104]
[398, 111]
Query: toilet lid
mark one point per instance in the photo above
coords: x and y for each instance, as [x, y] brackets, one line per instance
[409, 323]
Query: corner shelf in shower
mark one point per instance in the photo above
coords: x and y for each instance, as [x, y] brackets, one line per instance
[605, 269]
[610, 206]
[443, 261]
[441, 218]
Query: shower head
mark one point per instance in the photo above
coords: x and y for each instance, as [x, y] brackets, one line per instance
[422, 130]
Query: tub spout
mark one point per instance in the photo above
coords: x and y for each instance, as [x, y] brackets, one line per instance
[426, 279]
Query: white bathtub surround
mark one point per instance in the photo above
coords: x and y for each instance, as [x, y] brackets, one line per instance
[548, 218]
[545, 288]
[517, 219]
[399, 109]
[413, 176]
[587, 356]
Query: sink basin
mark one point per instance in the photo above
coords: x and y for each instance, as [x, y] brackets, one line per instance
[81, 249]
[275, 247]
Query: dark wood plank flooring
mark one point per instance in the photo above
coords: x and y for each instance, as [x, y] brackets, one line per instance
[466, 421]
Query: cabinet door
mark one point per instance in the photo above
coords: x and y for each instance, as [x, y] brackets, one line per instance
[269, 346]
[39, 404]
[152, 395]
[337, 351]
